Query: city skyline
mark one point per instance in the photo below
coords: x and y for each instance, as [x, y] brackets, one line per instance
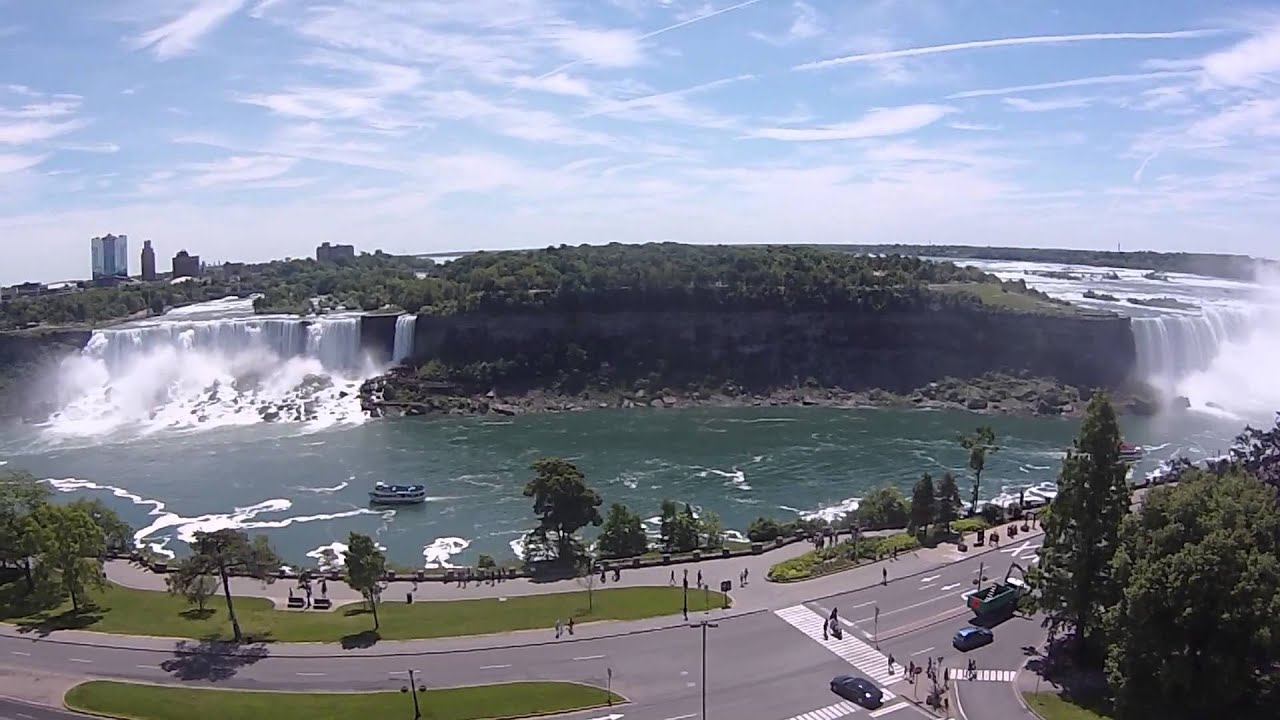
[257, 129]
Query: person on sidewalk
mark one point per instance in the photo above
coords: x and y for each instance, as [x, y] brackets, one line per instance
[825, 625]
[890, 663]
[324, 588]
[559, 628]
[673, 578]
[699, 578]
[570, 624]
[884, 576]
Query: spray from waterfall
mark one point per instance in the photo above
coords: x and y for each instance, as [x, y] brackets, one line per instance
[403, 348]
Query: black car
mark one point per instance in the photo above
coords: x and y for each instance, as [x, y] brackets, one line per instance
[858, 690]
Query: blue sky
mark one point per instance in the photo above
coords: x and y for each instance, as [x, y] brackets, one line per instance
[252, 129]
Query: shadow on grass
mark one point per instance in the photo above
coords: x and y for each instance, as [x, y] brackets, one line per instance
[1085, 687]
[197, 613]
[360, 640]
[212, 659]
[46, 624]
[355, 610]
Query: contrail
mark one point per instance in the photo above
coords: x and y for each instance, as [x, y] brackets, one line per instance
[1003, 42]
[660, 31]
[1079, 82]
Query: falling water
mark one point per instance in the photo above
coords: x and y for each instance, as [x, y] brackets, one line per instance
[405, 327]
[1171, 347]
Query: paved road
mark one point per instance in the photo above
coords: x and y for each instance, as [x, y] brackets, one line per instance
[759, 664]
[16, 710]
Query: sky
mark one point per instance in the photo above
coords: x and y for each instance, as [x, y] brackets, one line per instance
[246, 130]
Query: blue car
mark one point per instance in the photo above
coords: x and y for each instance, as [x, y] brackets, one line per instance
[857, 689]
[968, 638]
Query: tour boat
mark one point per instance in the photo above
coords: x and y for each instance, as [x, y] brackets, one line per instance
[384, 494]
[1131, 453]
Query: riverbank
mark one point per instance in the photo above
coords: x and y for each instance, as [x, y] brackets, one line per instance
[403, 392]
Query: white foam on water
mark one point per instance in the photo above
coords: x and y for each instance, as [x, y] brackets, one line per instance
[185, 528]
[736, 477]
[833, 513]
[437, 554]
[324, 490]
[333, 556]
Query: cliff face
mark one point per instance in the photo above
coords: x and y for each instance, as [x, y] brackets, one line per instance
[23, 357]
[893, 351]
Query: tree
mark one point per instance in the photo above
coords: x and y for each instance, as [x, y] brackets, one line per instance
[563, 502]
[622, 534]
[366, 567]
[923, 503]
[764, 529]
[189, 582]
[117, 533]
[1200, 606]
[1082, 530]
[666, 523]
[948, 501]
[20, 496]
[1258, 451]
[71, 546]
[979, 444]
[883, 508]
[712, 529]
[223, 552]
[685, 530]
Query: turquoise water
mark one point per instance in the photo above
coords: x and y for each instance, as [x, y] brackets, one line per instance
[307, 490]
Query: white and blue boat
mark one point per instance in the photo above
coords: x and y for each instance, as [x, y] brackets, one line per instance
[384, 494]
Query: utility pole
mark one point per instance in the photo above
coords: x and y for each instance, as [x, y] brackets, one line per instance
[704, 625]
[413, 688]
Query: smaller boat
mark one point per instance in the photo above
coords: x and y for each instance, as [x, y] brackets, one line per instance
[1131, 453]
[384, 494]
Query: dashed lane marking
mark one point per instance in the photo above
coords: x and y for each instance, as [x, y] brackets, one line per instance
[830, 712]
[982, 675]
[79, 660]
[494, 667]
[589, 657]
[921, 652]
[683, 717]
[890, 709]
[309, 674]
[19, 652]
[870, 661]
[148, 667]
[945, 588]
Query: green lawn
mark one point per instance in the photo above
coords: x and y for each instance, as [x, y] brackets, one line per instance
[154, 702]
[1051, 706]
[996, 296]
[141, 612]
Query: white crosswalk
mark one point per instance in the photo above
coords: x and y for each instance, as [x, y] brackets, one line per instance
[889, 709]
[870, 661]
[982, 675]
[830, 712]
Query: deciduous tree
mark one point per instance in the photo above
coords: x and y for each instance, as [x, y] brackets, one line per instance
[223, 552]
[562, 501]
[20, 496]
[622, 534]
[948, 501]
[712, 530]
[189, 582]
[980, 444]
[923, 503]
[1082, 530]
[1196, 630]
[366, 567]
[883, 508]
[685, 530]
[71, 546]
[117, 533]
[666, 523]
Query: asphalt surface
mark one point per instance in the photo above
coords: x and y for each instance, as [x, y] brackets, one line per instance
[15, 710]
[757, 665]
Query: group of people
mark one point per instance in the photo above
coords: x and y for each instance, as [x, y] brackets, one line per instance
[561, 627]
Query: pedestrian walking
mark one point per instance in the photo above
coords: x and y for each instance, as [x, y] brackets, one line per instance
[559, 628]
[699, 578]
[911, 671]
[617, 574]
[686, 577]
[570, 624]
[824, 630]
[884, 576]
[324, 588]
[746, 575]
[673, 578]
[891, 663]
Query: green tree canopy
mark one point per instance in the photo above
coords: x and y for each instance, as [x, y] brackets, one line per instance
[685, 530]
[883, 508]
[948, 501]
[223, 552]
[191, 583]
[622, 534]
[1082, 530]
[980, 444]
[71, 546]
[924, 506]
[117, 533]
[562, 501]
[20, 496]
[366, 567]
[1196, 631]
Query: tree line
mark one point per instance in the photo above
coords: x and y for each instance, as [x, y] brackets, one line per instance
[1176, 604]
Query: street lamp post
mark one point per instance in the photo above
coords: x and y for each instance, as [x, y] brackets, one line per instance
[704, 625]
[413, 688]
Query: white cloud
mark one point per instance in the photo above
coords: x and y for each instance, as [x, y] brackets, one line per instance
[805, 26]
[182, 34]
[1078, 82]
[973, 127]
[558, 84]
[605, 48]
[24, 133]
[1002, 42]
[1252, 118]
[105, 148]
[238, 169]
[10, 163]
[1248, 63]
[1062, 103]
[876, 123]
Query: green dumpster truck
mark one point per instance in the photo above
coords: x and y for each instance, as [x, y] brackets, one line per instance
[1001, 596]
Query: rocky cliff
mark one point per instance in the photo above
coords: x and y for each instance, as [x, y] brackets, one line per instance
[895, 351]
[23, 357]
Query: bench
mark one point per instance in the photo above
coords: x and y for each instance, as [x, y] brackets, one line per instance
[297, 603]
[321, 603]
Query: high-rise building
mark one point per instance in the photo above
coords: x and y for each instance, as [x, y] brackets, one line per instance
[333, 253]
[148, 261]
[185, 265]
[110, 256]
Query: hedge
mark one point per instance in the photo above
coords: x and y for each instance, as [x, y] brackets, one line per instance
[847, 554]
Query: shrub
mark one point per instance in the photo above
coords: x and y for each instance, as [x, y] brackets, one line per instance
[485, 562]
[764, 529]
[817, 563]
[993, 514]
[901, 543]
[970, 525]
[883, 508]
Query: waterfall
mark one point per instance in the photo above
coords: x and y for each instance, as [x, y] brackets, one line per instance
[1170, 347]
[406, 325]
[187, 374]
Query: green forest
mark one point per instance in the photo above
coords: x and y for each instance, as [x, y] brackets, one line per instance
[614, 277]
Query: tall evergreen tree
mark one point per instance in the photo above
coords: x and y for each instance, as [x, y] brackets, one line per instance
[1082, 531]
[980, 444]
[947, 501]
[1200, 607]
[923, 503]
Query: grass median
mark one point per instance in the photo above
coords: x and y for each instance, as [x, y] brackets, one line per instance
[156, 702]
[1052, 706]
[122, 610]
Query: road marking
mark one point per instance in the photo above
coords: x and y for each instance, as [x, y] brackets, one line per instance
[849, 648]
[862, 605]
[589, 657]
[494, 667]
[79, 660]
[926, 587]
[921, 652]
[847, 622]
[982, 675]
[930, 579]
[922, 603]
[309, 674]
[887, 710]
[23, 654]
[28, 717]
[148, 667]
[830, 712]
[1017, 552]
[610, 716]
[947, 588]
[683, 717]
